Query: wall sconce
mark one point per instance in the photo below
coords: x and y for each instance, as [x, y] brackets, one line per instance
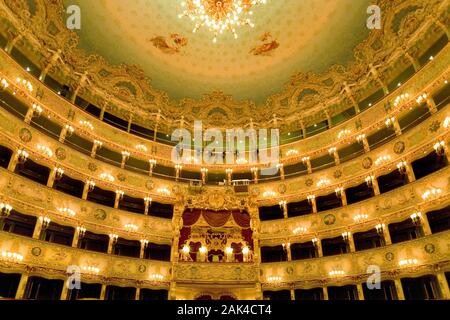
[389, 122]
[4, 84]
[45, 222]
[300, 230]
[125, 155]
[274, 279]
[5, 209]
[98, 144]
[113, 237]
[90, 269]
[310, 198]
[120, 194]
[186, 249]
[81, 232]
[360, 217]
[447, 123]
[229, 171]
[203, 253]
[156, 277]
[152, 163]
[344, 133]
[282, 204]
[361, 137]
[91, 185]
[339, 191]
[323, 183]
[67, 211]
[37, 110]
[246, 254]
[148, 201]
[58, 173]
[291, 152]
[315, 242]
[107, 177]
[439, 147]
[269, 193]
[163, 191]
[24, 83]
[382, 159]
[400, 98]
[380, 228]
[144, 243]
[22, 156]
[86, 124]
[204, 170]
[254, 170]
[286, 245]
[46, 151]
[336, 273]
[131, 227]
[178, 167]
[407, 262]
[141, 147]
[305, 160]
[11, 256]
[69, 130]
[369, 181]
[401, 166]
[346, 235]
[332, 150]
[416, 218]
[422, 98]
[229, 254]
[432, 193]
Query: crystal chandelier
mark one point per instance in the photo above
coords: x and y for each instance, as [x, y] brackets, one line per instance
[220, 15]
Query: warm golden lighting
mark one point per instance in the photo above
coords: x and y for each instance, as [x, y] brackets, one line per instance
[220, 15]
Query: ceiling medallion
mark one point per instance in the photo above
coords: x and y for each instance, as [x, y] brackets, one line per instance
[220, 15]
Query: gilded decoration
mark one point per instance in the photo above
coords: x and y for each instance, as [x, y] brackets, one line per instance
[25, 135]
[126, 86]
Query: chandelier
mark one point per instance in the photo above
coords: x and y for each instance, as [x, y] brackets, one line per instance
[220, 15]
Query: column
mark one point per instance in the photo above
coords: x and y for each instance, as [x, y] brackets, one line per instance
[319, 248]
[359, 287]
[387, 236]
[329, 121]
[307, 161]
[283, 205]
[399, 288]
[144, 244]
[64, 291]
[292, 294]
[363, 139]
[20, 293]
[410, 173]
[376, 187]
[130, 120]
[396, 126]
[431, 104]
[112, 240]
[51, 178]
[66, 129]
[334, 153]
[85, 190]
[29, 115]
[254, 171]
[103, 292]
[280, 166]
[102, 112]
[351, 243]
[13, 161]
[11, 43]
[313, 204]
[125, 157]
[138, 294]
[443, 285]
[94, 148]
[325, 293]
[344, 197]
[412, 60]
[443, 27]
[302, 124]
[425, 225]
[76, 238]
[119, 195]
[38, 229]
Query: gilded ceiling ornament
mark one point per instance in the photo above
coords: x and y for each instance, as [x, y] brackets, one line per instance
[171, 45]
[267, 46]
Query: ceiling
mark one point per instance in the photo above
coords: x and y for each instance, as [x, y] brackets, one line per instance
[312, 35]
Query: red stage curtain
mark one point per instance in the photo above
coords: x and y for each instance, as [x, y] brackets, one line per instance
[242, 218]
[191, 217]
[216, 218]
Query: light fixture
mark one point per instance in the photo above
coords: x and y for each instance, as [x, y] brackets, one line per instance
[339, 192]
[144, 242]
[241, 161]
[305, 159]
[131, 227]
[401, 166]
[45, 222]
[286, 245]
[69, 130]
[439, 147]
[67, 211]
[431, 193]
[106, 176]
[86, 124]
[416, 218]
[360, 217]
[156, 277]
[332, 150]
[291, 152]
[323, 183]
[58, 173]
[380, 228]
[24, 83]
[186, 249]
[421, 98]
[300, 230]
[113, 237]
[46, 151]
[37, 110]
[120, 194]
[310, 198]
[274, 278]
[229, 171]
[91, 185]
[98, 144]
[148, 201]
[269, 193]
[90, 269]
[152, 163]
[11, 256]
[346, 235]
[163, 191]
[5, 209]
[22, 156]
[407, 262]
[344, 133]
[4, 83]
[125, 155]
[81, 232]
[141, 147]
[400, 99]
[282, 204]
[389, 122]
[204, 170]
[219, 16]
[447, 123]
[315, 241]
[382, 159]
[335, 273]
[178, 167]
[369, 180]
[360, 138]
